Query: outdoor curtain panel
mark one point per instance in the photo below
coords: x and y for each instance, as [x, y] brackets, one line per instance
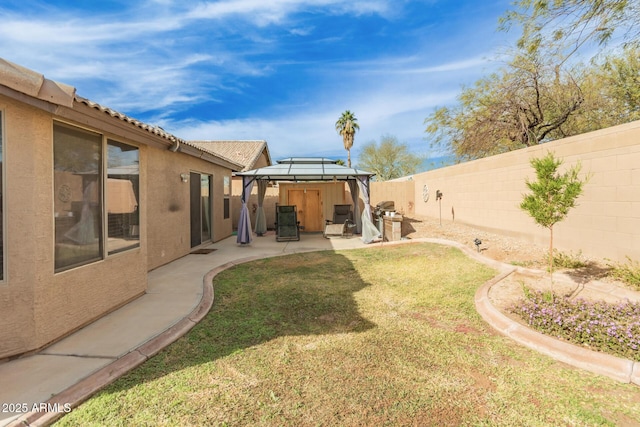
[261, 219]
[369, 231]
[244, 223]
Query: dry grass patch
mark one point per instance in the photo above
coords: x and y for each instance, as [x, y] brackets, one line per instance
[380, 336]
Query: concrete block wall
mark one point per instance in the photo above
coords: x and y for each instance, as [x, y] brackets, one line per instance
[402, 193]
[486, 193]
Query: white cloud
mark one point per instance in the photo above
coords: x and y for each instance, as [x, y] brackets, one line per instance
[301, 31]
[470, 63]
[166, 55]
[269, 12]
[312, 132]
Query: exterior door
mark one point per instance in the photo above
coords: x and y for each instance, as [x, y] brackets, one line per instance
[309, 208]
[200, 201]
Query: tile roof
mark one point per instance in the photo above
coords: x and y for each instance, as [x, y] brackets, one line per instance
[31, 83]
[34, 84]
[246, 153]
[156, 130]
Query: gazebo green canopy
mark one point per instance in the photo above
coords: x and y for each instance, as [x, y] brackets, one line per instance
[306, 169]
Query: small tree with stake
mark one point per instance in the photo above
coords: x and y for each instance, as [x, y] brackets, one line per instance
[553, 195]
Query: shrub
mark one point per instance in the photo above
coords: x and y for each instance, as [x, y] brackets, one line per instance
[525, 264]
[628, 272]
[600, 326]
[568, 260]
[552, 196]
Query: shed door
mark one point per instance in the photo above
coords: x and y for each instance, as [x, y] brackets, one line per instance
[309, 208]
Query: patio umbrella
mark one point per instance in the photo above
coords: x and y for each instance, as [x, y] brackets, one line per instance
[244, 223]
[261, 219]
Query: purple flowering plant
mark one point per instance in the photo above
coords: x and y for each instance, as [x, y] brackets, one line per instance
[598, 325]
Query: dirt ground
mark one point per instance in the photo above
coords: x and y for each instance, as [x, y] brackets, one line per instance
[586, 282]
[499, 247]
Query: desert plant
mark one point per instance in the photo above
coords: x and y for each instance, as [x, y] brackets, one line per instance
[525, 264]
[628, 272]
[553, 195]
[568, 259]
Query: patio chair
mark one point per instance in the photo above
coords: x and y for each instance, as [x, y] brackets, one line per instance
[287, 224]
[342, 224]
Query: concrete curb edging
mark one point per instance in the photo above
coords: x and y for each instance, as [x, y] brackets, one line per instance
[619, 369]
[83, 390]
[87, 387]
[90, 385]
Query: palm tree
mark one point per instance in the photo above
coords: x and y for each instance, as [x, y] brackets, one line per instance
[346, 126]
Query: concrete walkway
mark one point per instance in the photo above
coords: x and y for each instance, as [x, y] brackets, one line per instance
[43, 386]
[179, 294]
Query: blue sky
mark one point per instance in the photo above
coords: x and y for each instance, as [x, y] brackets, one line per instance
[278, 70]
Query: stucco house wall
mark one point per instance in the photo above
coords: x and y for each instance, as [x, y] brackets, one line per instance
[39, 305]
[169, 200]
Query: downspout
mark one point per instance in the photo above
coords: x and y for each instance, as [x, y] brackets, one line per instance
[174, 147]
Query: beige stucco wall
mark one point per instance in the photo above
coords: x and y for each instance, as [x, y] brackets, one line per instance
[262, 161]
[38, 306]
[168, 234]
[487, 193]
[20, 163]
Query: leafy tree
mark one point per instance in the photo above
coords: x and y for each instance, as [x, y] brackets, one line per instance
[620, 76]
[573, 23]
[552, 195]
[389, 159]
[347, 125]
[611, 91]
[524, 104]
[540, 95]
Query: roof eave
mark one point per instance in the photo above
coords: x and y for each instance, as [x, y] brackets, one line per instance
[209, 157]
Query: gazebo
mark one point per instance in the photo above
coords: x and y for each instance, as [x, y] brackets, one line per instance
[298, 169]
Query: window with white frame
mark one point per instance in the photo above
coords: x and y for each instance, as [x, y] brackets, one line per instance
[95, 210]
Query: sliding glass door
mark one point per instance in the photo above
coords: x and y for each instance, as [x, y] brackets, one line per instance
[200, 195]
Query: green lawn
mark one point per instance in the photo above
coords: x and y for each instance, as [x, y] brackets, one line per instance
[379, 336]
